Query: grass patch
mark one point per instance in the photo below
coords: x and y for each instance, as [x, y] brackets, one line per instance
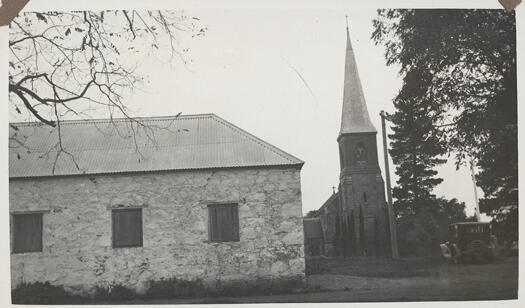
[260, 286]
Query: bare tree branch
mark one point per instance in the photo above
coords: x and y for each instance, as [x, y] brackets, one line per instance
[71, 64]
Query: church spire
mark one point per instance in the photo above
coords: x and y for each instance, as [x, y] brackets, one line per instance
[355, 118]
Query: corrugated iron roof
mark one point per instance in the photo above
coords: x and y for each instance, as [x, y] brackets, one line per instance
[147, 144]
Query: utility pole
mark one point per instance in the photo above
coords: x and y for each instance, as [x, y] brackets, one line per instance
[391, 218]
[473, 171]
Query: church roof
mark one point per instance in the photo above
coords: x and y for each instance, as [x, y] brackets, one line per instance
[355, 118]
[149, 144]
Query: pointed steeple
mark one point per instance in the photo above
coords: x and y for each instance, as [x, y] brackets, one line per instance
[355, 118]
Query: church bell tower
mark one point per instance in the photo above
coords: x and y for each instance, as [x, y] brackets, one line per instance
[362, 194]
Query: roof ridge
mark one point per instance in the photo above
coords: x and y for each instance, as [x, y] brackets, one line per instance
[330, 199]
[109, 120]
[257, 140]
[156, 147]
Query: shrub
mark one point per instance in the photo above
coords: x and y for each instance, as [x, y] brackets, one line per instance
[173, 287]
[43, 293]
[115, 292]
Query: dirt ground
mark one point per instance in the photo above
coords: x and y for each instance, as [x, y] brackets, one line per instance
[376, 280]
[419, 280]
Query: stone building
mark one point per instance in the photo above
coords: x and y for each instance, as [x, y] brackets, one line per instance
[191, 197]
[354, 220]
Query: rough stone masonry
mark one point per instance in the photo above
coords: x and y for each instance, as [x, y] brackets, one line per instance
[77, 250]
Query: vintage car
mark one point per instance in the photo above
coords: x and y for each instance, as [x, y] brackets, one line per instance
[469, 241]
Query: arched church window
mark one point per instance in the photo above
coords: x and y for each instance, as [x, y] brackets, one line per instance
[360, 153]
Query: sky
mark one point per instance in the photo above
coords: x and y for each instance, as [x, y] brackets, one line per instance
[279, 75]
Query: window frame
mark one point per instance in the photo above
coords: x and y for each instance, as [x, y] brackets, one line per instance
[212, 237]
[113, 230]
[14, 248]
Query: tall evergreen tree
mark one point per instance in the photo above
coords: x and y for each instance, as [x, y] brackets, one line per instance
[416, 151]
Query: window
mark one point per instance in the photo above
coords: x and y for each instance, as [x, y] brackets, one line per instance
[360, 153]
[223, 222]
[127, 227]
[27, 232]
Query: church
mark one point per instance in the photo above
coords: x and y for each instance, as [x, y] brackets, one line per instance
[354, 220]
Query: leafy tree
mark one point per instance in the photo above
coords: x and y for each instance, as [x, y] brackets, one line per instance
[462, 64]
[312, 214]
[499, 170]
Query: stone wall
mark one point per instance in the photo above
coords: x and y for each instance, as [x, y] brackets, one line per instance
[77, 248]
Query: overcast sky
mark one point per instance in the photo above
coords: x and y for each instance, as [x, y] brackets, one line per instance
[279, 75]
